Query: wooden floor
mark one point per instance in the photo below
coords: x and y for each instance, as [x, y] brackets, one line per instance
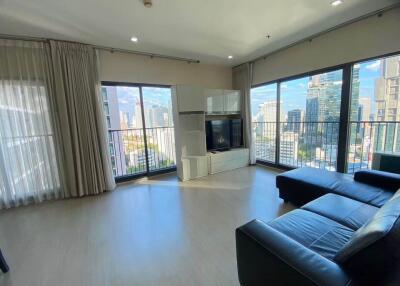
[154, 231]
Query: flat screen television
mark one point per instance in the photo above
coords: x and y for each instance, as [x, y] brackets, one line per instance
[218, 134]
[224, 134]
[236, 133]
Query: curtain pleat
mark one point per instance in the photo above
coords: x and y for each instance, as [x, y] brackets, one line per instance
[86, 159]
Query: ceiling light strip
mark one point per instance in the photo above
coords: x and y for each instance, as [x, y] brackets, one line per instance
[377, 12]
[110, 49]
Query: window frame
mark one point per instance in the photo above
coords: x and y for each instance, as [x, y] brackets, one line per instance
[148, 172]
[345, 106]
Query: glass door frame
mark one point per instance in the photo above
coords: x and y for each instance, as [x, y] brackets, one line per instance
[344, 113]
[345, 109]
[148, 172]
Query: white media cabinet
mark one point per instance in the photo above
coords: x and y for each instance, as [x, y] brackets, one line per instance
[191, 106]
[227, 160]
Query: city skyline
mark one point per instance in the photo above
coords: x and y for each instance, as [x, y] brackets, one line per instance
[132, 147]
[305, 101]
[295, 89]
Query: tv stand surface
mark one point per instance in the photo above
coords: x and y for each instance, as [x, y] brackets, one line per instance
[227, 160]
[219, 151]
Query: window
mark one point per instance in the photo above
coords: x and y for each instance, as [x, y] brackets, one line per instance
[309, 120]
[27, 143]
[263, 107]
[309, 113]
[375, 116]
[140, 126]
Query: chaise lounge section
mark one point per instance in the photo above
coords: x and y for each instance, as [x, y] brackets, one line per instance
[339, 238]
[303, 185]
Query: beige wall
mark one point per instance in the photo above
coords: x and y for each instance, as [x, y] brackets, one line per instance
[125, 67]
[364, 39]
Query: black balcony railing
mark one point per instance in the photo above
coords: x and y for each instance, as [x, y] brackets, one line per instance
[315, 144]
[128, 150]
[301, 144]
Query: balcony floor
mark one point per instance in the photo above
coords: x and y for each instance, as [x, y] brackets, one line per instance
[156, 231]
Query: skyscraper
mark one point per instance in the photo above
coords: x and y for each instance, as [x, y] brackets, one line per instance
[111, 106]
[365, 111]
[387, 99]
[295, 119]
[267, 111]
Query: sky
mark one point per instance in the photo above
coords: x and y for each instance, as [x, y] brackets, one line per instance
[127, 97]
[294, 93]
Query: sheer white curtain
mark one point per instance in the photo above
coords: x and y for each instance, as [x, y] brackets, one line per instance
[29, 169]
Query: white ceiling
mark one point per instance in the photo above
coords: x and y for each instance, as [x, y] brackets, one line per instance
[208, 30]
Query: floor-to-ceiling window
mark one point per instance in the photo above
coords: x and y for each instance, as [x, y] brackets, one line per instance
[309, 120]
[307, 124]
[264, 106]
[318, 113]
[375, 111]
[141, 134]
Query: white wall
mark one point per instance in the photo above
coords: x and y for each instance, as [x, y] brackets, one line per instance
[132, 68]
[367, 38]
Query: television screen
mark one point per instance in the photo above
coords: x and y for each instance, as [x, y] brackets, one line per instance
[218, 134]
[236, 133]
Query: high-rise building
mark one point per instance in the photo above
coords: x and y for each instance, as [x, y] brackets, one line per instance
[355, 92]
[138, 115]
[156, 116]
[295, 120]
[123, 120]
[387, 99]
[365, 111]
[116, 144]
[323, 108]
[364, 116]
[267, 111]
[289, 147]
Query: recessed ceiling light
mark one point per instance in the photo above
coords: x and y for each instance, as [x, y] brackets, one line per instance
[134, 39]
[336, 2]
[230, 57]
[147, 3]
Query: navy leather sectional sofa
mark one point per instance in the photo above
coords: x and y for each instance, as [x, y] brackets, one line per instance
[347, 232]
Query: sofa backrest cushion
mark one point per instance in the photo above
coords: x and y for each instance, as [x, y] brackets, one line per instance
[374, 248]
[384, 180]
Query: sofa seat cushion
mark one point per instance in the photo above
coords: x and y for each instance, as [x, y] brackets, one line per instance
[306, 184]
[348, 212]
[319, 233]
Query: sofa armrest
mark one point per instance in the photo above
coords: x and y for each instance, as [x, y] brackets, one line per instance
[384, 180]
[266, 256]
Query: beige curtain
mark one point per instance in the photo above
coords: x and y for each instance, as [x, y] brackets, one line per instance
[81, 123]
[242, 77]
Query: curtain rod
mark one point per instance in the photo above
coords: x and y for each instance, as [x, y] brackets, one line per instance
[104, 48]
[310, 38]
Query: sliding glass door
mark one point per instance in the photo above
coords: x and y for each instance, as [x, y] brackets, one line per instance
[318, 113]
[375, 111]
[264, 108]
[141, 135]
[296, 121]
[160, 137]
[309, 120]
